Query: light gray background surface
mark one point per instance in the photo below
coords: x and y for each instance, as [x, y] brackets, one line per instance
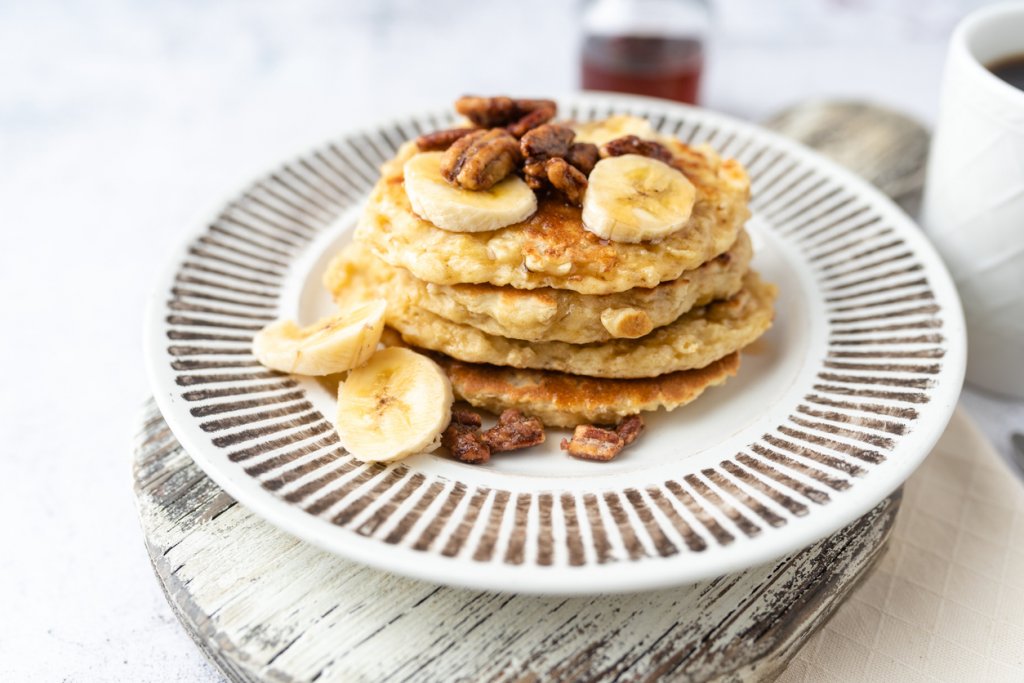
[121, 121]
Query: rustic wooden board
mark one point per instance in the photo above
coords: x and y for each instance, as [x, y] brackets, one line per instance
[264, 606]
[884, 147]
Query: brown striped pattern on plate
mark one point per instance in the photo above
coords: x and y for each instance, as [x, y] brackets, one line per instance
[885, 350]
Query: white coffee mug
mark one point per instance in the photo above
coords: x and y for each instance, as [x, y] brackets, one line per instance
[974, 196]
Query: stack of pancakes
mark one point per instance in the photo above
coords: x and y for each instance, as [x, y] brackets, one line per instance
[546, 317]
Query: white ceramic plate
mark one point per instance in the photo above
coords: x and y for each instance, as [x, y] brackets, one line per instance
[831, 411]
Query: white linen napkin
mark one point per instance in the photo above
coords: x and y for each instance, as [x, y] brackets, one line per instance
[946, 601]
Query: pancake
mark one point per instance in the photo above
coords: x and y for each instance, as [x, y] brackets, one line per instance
[563, 400]
[695, 339]
[551, 248]
[547, 314]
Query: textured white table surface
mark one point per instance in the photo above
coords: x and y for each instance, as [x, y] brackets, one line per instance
[123, 120]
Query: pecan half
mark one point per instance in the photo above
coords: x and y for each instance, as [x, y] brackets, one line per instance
[441, 140]
[481, 159]
[488, 112]
[631, 144]
[465, 443]
[593, 443]
[546, 141]
[493, 112]
[583, 156]
[531, 120]
[514, 431]
[630, 428]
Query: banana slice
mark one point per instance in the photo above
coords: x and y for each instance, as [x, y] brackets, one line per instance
[632, 198]
[331, 345]
[452, 208]
[394, 406]
[600, 132]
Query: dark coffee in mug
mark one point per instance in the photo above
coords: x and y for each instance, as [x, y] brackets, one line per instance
[1010, 69]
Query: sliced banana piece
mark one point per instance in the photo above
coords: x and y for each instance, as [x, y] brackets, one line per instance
[335, 344]
[452, 208]
[632, 198]
[600, 132]
[395, 405]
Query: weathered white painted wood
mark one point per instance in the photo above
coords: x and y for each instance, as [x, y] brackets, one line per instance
[265, 606]
[884, 147]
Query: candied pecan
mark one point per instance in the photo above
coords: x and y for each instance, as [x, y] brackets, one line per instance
[631, 144]
[488, 112]
[567, 180]
[593, 443]
[531, 120]
[514, 431]
[527, 105]
[546, 141]
[466, 418]
[493, 112]
[557, 174]
[480, 160]
[441, 140]
[630, 428]
[535, 175]
[465, 443]
[583, 156]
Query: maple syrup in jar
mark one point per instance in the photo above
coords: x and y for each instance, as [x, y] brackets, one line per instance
[645, 47]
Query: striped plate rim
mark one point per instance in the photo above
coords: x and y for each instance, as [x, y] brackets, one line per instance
[874, 403]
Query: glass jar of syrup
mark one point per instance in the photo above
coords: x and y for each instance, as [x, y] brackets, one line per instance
[645, 47]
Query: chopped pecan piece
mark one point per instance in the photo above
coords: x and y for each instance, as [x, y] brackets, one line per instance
[630, 428]
[583, 156]
[558, 174]
[535, 174]
[567, 180]
[466, 418]
[480, 160]
[440, 140]
[593, 443]
[514, 431]
[631, 144]
[547, 141]
[465, 443]
[493, 112]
